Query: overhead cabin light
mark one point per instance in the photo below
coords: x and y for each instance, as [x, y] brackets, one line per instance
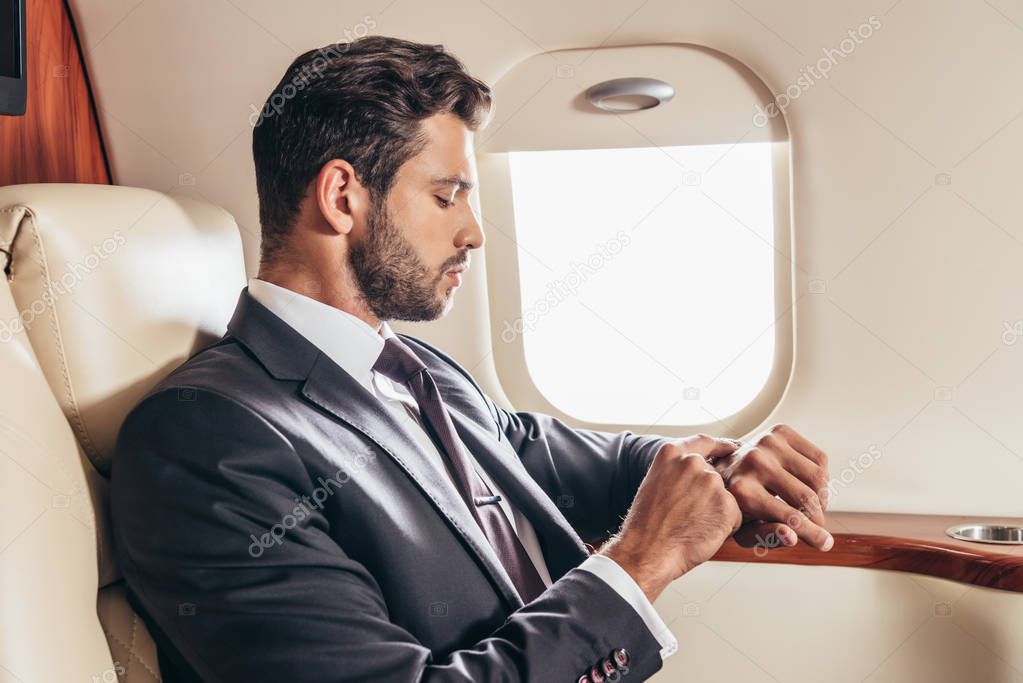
[629, 94]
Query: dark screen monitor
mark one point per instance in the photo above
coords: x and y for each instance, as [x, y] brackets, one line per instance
[12, 57]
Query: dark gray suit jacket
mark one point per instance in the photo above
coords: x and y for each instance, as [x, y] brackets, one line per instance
[275, 523]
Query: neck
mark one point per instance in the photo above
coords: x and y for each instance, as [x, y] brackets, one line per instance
[323, 285]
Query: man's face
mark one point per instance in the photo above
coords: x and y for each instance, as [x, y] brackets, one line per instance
[422, 229]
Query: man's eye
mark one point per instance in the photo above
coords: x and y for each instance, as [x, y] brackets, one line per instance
[443, 202]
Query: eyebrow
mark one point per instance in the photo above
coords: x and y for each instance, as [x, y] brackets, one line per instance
[463, 185]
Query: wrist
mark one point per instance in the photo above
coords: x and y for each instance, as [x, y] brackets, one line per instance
[649, 580]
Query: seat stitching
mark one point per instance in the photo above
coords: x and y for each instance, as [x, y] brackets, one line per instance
[131, 639]
[83, 436]
[78, 423]
[131, 654]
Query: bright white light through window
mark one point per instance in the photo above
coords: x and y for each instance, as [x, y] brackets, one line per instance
[647, 279]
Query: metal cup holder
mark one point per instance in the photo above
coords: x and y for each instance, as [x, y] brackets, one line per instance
[987, 533]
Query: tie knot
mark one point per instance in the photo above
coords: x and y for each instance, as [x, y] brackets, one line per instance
[398, 362]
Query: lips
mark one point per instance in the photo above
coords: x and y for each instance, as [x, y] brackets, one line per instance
[456, 274]
[458, 270]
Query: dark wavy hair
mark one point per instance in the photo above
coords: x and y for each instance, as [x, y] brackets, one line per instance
[361, 101]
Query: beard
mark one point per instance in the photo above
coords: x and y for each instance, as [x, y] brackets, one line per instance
[395, 284]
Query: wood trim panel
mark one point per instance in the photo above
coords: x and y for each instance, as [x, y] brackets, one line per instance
[58, 139]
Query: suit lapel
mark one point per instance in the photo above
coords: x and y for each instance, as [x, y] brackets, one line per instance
[334, 390]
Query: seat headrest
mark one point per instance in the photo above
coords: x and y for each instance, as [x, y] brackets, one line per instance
[115, 286]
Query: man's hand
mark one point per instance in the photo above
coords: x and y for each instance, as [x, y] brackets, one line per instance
[783, 463]
[680, 517]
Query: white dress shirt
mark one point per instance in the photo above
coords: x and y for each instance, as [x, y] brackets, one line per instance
[355, 347]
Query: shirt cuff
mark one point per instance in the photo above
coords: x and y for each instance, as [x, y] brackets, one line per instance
[623, 584]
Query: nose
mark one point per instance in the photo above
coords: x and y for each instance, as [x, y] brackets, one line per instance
[470, 232]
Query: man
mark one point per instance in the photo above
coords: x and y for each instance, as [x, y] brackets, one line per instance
[314, 498]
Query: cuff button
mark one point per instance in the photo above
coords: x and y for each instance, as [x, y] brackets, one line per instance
[595, 674]
[620, 657]
[608, 669]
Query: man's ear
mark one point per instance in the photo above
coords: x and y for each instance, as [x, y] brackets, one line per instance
[341, 198]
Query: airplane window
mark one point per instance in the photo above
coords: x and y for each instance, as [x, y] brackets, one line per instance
[647, 279]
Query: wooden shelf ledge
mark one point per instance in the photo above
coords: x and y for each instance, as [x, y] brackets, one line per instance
[902, 542]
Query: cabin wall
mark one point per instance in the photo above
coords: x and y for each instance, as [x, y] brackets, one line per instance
[908, 235]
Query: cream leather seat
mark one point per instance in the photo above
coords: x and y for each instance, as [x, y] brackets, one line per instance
[108, 289]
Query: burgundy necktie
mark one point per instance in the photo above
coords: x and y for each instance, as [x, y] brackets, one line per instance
[399, 363]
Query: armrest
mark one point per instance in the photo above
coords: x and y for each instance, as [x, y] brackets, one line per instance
[902, 542]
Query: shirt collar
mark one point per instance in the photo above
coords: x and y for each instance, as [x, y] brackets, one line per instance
[347, 340]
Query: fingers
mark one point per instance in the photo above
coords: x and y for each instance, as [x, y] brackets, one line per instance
[803, 445]
[816, 477]
[706, 445]
[765, 535]
[810, 474]
[782, 445]
[791, 480]
[812, 534]
[697, 458]
[765, 471]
